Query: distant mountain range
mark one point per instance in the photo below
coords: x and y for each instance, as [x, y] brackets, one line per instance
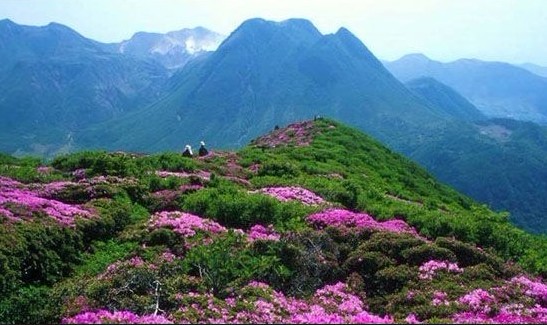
[497, 89]
[266, 74]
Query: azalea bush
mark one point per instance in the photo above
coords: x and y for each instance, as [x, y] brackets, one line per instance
[293, 193]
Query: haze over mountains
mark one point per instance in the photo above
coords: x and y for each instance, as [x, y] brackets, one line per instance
[265, 74]
[497, 89]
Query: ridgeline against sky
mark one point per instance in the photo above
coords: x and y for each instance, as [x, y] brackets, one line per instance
[493, 30]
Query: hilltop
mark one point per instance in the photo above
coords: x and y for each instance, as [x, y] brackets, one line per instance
[313, 222]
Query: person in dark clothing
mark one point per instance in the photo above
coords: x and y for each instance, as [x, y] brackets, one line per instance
[202, 150]
[187, 151]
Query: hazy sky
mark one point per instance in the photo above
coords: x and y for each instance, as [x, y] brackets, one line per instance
[503, 30]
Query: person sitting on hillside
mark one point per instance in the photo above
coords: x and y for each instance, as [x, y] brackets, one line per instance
[202, 150]
[188, 151]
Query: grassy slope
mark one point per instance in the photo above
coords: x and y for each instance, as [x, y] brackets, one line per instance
[341, 164]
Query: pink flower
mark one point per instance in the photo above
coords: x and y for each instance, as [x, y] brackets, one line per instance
[439, 298]
[347, 219]
[184, 223]
[106, 317]
[412, 319]
[479, 300]
[430, 268]
[534, 289]
[18, 202]
[259, 232]
[293, 193]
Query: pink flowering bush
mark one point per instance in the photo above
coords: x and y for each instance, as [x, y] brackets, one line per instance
[114, 267]
[353, 220]
[504, 304]
[259, 232]
[118, 317]
[430, 268]
[258, 303]
[478, 300]
[293, 193]
[412, 319]
[17, 203]
[439, 298]
[535, 289]
[185, 224]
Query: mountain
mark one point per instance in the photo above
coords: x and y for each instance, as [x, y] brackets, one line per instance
[534, 68]
[270, 73]
[445, 98]
[54, 82]
[173, 49]
[497, 89]
[27, 43]
[310, 223]
[267, 73]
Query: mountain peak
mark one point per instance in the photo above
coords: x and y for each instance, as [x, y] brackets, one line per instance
[299, 23]
[56, 26]
[261, 32]
[253, 23]
[415, 57]
[354, 46]
[6, 21]
[293, 24]
[343, 31]
[349, 38]
[7, 25]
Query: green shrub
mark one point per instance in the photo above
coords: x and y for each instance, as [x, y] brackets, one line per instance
[420, 254]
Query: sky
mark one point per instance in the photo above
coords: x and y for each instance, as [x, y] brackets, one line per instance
[512, 31]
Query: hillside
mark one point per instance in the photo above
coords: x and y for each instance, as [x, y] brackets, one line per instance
[497, 89]
[315, 222]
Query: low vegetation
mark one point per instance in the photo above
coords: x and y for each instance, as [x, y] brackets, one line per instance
[333, 229]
